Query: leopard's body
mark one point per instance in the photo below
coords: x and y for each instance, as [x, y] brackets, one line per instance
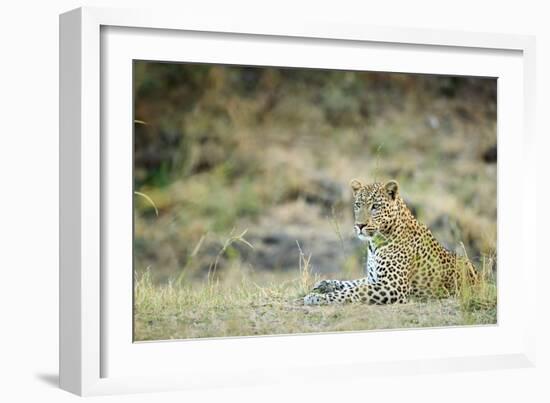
[404, 259]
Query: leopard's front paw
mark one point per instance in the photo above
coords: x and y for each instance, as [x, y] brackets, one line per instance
[313, 299]
[325, 286]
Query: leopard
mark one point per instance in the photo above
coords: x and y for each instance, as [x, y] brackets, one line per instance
[404, 259]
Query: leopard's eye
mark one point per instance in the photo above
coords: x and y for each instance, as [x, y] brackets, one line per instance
[357, 205]
[375, 206]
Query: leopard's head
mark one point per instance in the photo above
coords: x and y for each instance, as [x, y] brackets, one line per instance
[375, 207]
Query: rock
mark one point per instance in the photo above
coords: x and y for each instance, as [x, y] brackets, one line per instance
[324, 192]
[449, 232]
[490, 154]
[279, 251]
[433, 122]
[412, 206]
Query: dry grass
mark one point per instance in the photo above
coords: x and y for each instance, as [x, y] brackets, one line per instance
[239, 306]
[244, 303]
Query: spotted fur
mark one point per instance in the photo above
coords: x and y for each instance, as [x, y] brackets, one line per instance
[404, 258]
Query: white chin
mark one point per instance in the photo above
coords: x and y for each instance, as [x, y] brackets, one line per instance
[363, 237]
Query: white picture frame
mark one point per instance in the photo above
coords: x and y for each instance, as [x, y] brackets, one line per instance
[97, 355]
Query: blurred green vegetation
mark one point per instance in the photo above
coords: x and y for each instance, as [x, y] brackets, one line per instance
[272, 150]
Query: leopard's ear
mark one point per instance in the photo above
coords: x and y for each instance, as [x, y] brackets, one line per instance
[392, 188]
[355, 185]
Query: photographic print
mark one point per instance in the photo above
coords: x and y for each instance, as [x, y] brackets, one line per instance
[278, 200]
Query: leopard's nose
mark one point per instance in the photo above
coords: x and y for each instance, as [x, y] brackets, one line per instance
[360, 226]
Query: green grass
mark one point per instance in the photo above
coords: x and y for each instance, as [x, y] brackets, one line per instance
[236, 305]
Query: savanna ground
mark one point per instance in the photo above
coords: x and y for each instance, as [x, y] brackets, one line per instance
[242, 202]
